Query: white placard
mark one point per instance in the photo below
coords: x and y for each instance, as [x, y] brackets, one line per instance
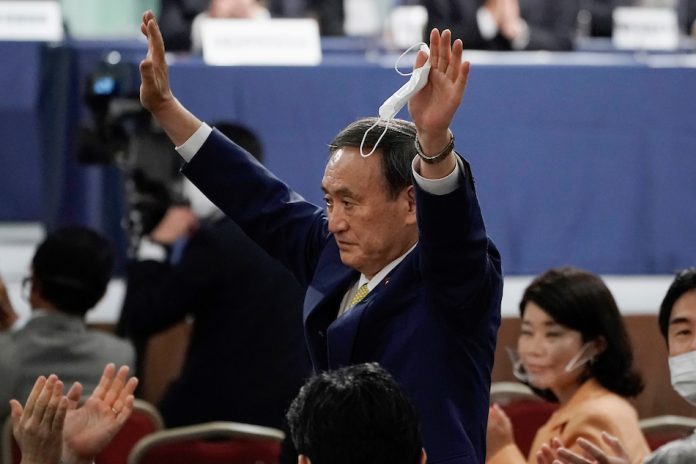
[637, 28]
[29, 21]
[293, 42]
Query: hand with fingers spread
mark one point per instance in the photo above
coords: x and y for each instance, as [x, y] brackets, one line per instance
[548, 454]
[433, 108]
[593, 454]
[90, 427]
[38, 427]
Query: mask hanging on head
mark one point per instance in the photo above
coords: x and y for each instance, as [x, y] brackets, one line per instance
[682, 369]
[393, 104]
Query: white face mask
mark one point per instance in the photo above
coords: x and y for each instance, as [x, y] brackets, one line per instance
[393, 104]
[682, 369]
[200, 205]
[585, 354]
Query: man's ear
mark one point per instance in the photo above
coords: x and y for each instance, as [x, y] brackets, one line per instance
[424, 457]
[410, 197]
[302, 459]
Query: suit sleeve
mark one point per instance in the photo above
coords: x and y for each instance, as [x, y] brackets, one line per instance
[460, 266]
[288, 227]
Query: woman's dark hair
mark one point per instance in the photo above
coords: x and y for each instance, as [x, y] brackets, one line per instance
[579, 300]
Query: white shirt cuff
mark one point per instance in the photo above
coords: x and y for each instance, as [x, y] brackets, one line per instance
[443, 186]
[189, 149]
[486, 24]
[151, 251]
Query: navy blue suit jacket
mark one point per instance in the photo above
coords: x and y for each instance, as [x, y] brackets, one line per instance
[432, 322]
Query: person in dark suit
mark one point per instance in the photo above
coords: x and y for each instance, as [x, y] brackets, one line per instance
[396, 271]
[70, 272]
[247, 330]
[507, 24]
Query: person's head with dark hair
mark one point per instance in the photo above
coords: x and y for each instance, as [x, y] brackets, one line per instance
[572, 330]
[70, 271]
[355, 415]
[370, 200]
[682, 289]
[677, 320]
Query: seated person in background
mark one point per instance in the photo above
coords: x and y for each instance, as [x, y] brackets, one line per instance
[247, 329]
[574, 350]
[70, 272]
[507, 24]
[356, 414]
[225, 9]
[329, 13]
[51, 429]
[175, 18]
[677, 320]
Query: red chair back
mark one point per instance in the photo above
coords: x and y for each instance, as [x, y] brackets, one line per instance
[661, 430]
[210, 443]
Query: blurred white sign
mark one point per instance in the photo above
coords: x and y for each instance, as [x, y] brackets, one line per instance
[27, 21]
[645, 28]
[261, 42]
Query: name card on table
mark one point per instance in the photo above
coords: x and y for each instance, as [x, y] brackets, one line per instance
[28, 21]
[293, 42]
[637, 28]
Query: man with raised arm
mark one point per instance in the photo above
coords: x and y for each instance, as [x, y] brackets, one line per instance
[398, 268]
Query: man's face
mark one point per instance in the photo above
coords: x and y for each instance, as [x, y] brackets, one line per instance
[681, 332]
[371, 228]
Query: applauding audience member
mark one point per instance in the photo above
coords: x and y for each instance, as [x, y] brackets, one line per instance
[69, 275]
[52, 429]
[507, 24]
[574, 350]
[677, 320]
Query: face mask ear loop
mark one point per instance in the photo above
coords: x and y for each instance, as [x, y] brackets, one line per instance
[576, 362]
[396, 65]
[378, 140]
[517, 369]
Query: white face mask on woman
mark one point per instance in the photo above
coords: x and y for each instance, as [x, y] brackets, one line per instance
[682, 369]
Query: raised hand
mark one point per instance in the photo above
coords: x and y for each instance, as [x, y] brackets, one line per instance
[38, 427]
[499, 432]
[155, 94]
[433, 108]
[154, 86]
[90, 427]
[178, 222]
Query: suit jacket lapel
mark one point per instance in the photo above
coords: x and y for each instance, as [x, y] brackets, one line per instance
[322, 301]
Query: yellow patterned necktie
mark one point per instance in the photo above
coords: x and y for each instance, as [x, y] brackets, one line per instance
[359, 295]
